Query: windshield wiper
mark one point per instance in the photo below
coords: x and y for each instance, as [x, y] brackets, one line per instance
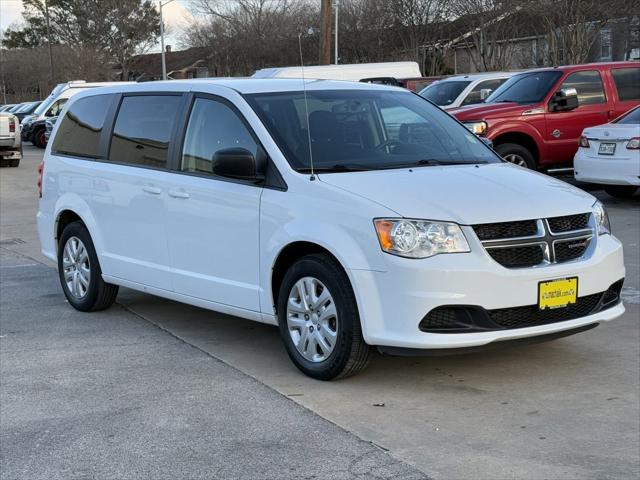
[431, 162]
[336, 168]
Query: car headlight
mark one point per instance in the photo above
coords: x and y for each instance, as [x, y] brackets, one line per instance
[601, 217]
[419, 238]
[479, 128]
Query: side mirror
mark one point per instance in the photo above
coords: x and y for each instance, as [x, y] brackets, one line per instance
[564, 100]
[486, 141]
[485, 93]
[239, 163]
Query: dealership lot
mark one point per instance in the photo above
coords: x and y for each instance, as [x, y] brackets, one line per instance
[81, 392]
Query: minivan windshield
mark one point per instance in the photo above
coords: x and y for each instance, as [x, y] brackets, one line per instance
[444, 93]
[525, 88]
[373, 129]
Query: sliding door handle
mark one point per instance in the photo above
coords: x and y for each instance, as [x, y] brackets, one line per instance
[152, 190]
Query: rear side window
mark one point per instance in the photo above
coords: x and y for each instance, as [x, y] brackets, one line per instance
[589, 87]
[143, 129]
[627, 83]
[80, 129]
[213, 126]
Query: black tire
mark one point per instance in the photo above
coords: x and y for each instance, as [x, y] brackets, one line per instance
[516, 151]
[14, 162]
[38, 138]
[99, 295]
[621, 191]
[351, 353]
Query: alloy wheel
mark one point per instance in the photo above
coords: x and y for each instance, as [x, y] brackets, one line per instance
[516, 159]
[77, 268]
[312, 319]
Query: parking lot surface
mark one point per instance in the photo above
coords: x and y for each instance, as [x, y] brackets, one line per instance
[155, 388]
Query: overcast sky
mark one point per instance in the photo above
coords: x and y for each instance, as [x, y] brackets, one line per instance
[175, 15]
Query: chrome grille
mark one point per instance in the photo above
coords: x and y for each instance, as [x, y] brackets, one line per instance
[553, 240]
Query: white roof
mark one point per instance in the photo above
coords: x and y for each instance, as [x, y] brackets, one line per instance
[478, 76]
[353, 71]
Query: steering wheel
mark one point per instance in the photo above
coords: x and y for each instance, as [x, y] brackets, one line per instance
[389, 143]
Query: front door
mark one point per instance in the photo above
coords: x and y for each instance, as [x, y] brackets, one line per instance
[212, 222]
[564, 128]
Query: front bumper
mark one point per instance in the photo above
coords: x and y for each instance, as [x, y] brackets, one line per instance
[607, 171]
[393, 303]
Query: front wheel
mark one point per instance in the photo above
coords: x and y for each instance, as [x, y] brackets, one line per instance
[621, 191]
[319, 321]
[516, 154]
[39, 140]
[80, 273]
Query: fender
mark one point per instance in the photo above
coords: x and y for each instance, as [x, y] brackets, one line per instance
[514, 126]
[75, 203]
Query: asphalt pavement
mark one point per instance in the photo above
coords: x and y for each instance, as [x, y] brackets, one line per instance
[152, 388]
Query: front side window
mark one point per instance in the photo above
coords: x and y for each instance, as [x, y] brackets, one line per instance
[365, 130]
[213, 126]
[444, 93]
[588, 85]
[143, 129]
[56, 108]
[627, 82]
[525, 88]
[475, 95]
[80, 129]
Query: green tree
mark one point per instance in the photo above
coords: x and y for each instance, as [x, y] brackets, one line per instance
[100, 31]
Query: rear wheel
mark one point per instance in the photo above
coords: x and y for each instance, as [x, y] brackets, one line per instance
[319, 321]
[516, 154]
[621, 191]
[80, 273]
[14, 163]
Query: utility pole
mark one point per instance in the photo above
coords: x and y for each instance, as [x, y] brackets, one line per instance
[162, 53]
[325, 33]
[46, 14]
[335, 45]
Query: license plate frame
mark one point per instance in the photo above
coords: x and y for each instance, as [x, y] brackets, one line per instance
[607, 148]
[557, 293]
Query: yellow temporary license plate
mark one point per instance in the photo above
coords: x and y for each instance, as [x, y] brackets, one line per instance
[557, 293]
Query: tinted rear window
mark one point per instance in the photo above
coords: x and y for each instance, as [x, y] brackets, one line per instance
[627, 83]
[80, 129]
[143, 130]
[631, 118]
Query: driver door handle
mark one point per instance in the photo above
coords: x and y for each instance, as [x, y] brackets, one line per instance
[179, 194]
[152, 190]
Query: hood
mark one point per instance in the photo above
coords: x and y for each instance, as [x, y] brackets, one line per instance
[483, 111]
[466, 194]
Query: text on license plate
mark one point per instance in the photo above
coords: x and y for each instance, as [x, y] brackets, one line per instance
[607, 149]
[557, 293]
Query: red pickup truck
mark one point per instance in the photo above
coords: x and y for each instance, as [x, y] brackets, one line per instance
[535, 118]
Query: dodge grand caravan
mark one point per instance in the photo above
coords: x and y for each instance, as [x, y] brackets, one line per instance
[350, 215]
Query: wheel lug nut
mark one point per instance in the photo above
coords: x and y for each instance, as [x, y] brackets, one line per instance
[306, 317]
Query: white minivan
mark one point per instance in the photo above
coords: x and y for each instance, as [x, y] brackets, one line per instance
[350, 215]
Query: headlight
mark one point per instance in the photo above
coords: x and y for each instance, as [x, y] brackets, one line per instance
[479, 128]
[601, 218]
[419, 238]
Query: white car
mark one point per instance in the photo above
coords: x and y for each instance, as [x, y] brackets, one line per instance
[10, 142]
[350, 215]
[609, 154]
[463, 90]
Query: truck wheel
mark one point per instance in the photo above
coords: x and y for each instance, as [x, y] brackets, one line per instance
[38, 138]
[516, 154]
[319, 321]
[621, 191]
[80, 273]
[14, 163]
